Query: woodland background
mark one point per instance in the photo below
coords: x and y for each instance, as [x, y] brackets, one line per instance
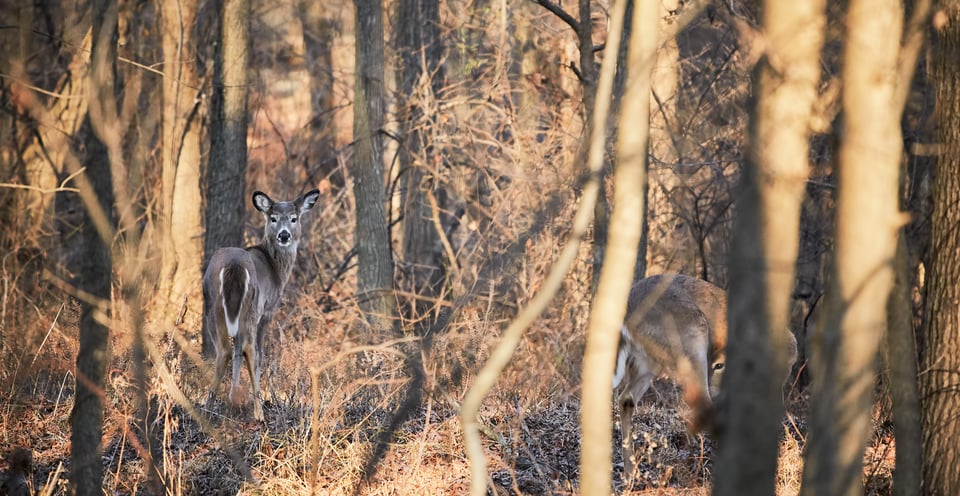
[802, 154]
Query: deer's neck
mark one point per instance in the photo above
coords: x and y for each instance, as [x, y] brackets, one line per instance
[282, 259]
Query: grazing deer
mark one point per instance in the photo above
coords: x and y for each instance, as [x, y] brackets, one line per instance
[242, 288]
[675, 325]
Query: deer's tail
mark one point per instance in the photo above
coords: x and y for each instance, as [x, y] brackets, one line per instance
[234, 283]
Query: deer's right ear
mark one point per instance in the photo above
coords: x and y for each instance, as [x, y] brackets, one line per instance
[262, 201]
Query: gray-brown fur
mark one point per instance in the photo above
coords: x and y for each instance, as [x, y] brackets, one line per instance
[676, 325]
[229, 297]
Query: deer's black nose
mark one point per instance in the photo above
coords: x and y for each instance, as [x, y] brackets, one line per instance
[283, 236]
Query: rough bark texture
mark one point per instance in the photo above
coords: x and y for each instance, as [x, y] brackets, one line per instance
[844, 347]
[180, 223]
[226, 173]
[609, 306]
[901, 361]
[375, 271]
[320, 29]
[765, 245]
[421, 79]
[86, 419]
[940, 379]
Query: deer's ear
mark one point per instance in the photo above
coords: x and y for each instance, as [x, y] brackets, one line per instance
[262, 201]
[308, 200]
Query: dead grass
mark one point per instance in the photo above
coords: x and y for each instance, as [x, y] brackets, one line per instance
[319, 445]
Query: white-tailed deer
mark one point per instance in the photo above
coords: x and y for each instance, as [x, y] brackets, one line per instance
[242, 288]
[676, 325]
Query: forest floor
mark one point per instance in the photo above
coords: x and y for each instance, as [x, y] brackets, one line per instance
[318, 437]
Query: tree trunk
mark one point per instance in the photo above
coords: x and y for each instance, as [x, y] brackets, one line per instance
[421, 79]
[319, 32]
[616, 276]
[844, 348]
[375, 272]
[664, 153]
[181, 230]
[95, 270]
[765, 245]
[901, 361]
[940, 381]
[226, 175]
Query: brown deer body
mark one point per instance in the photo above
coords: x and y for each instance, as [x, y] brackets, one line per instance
[676, 325]
[242, 289]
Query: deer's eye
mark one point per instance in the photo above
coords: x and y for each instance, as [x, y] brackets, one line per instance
[273, 219]
[718, 366]
[293, 220]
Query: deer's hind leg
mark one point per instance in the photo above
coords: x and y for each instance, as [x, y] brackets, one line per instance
[217, 333]
[251, 355]
[638, 377]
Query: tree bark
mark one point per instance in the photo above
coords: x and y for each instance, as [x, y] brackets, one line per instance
[940, 380]
[181, 231]
[901, 361]
[844, 348]
[421, 80]
[616, 276]
[320, 30]
[95, 270]
[765, 245]
[226, 174]
[375, 272]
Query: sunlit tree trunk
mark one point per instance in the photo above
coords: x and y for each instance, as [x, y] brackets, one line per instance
[940, 366]
[34, 206]
[41, 163]
[844, 347]
[765, 245]
[375, 271]
[226, 175]
[664, 150]
[610, 304]
[181, 231]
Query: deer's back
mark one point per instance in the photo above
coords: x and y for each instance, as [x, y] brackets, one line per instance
[672, 316]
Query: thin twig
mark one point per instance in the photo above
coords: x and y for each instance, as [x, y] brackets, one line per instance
[52, 325]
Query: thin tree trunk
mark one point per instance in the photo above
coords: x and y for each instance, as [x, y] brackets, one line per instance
[421, 79]
[181, 231]
[95, 271]
[901, 360]
[765, 245]
[226, 175]
[319, 32]
[940, 379]
[664, 152]
[375, 272]
[616, 276]
[844, 348]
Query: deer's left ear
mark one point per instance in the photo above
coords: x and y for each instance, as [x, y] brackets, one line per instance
[308, 200]
[262, 201]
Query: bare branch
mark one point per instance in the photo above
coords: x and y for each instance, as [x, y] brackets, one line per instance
[914, 38]
[562, 14]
